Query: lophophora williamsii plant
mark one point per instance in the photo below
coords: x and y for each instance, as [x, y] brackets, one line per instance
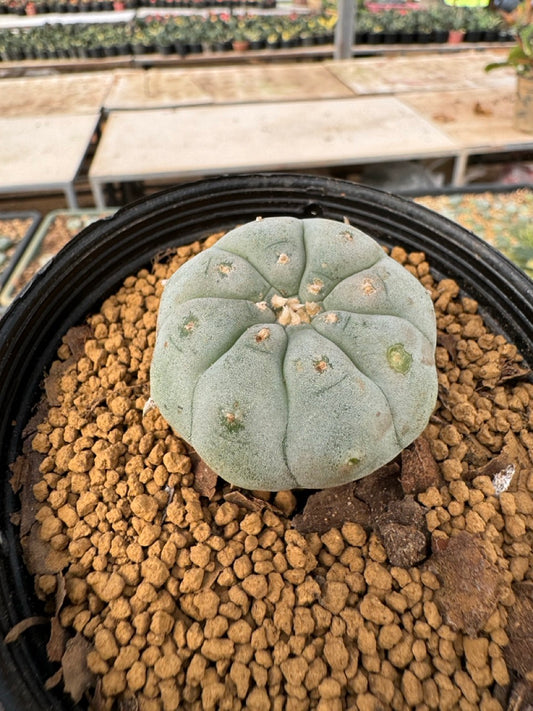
[295, 354]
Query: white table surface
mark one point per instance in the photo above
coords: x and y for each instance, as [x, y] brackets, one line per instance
[168, 88]
[477, 120]
[44, 152]
[201, 140]
[413, 73]
[77, 93]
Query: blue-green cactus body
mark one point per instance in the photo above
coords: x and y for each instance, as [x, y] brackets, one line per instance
[295, 353]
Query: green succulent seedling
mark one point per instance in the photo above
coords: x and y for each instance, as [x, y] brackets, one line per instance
[295, 354]
[520, 55]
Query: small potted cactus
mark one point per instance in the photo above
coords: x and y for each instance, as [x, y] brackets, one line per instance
[291, 339]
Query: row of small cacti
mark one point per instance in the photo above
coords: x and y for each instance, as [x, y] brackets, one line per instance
[213, 31]
[38, 7]
[431, 19]
[175, 32]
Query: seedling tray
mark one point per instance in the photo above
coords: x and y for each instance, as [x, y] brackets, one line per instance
[502, 218]
[16, 231]
[57, 228]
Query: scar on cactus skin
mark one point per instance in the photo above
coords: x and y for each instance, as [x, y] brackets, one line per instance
[225, 268]
[189, 324]
[399, 359]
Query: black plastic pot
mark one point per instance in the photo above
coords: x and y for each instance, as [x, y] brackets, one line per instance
[164, 48]
[93, 265]
[473, 36]
[140, 48]
[490, 36]
[407, 37]
[424, 37]
[390, 37]
[123, 49]
[440, 36]
[374, 38]
[222, 46]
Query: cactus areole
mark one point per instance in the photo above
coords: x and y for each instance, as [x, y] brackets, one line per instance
[295, 354]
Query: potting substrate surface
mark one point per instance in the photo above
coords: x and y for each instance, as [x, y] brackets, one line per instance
[169, 589]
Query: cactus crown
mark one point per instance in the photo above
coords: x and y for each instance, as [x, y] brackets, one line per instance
[295, 353]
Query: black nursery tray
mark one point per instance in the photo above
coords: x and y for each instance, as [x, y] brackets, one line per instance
[45, 240]
[16, 231]
[504, 219]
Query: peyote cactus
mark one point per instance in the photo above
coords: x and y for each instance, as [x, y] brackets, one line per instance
[295, 353]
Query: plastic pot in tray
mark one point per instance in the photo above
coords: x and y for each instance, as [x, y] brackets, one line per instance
[94, 264]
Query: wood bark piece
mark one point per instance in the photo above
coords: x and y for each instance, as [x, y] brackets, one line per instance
[404, 533]
[330, 508]
[519, 652]
[419, 468]
[470, 584]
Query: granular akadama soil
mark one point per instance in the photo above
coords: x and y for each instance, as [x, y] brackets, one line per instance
[169, 589]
